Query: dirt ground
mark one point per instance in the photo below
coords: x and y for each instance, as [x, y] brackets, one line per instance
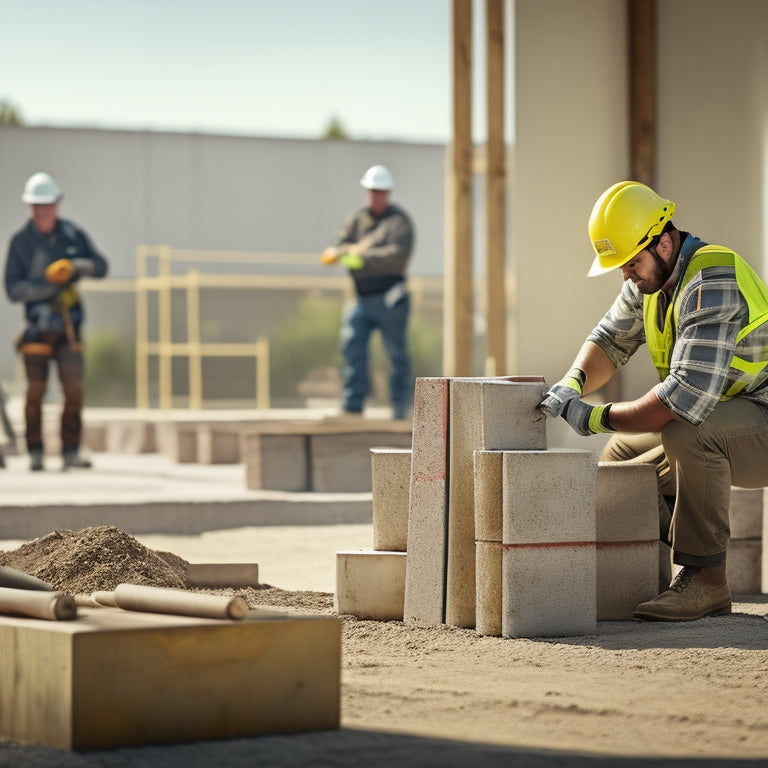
[635, 693]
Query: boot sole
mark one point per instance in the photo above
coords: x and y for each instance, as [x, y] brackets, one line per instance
[720, 610]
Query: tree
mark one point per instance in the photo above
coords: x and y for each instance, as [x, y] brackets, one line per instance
[335, 129]
[9, 113]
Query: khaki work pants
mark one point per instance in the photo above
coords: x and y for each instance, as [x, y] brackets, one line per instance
[698, 466]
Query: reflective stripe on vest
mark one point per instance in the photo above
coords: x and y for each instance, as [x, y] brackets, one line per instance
[754, 291]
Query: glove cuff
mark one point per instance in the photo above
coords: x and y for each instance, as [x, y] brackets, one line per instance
[599, 419]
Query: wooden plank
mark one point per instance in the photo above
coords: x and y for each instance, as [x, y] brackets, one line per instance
[458, 331]
[495, 201]
[641, 22]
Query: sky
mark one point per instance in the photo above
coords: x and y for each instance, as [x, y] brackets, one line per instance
[247, 67]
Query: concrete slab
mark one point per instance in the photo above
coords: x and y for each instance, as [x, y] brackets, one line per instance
[150, 493]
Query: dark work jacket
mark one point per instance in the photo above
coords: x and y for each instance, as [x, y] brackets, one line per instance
[29, 253]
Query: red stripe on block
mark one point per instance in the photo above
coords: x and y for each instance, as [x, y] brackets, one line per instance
[549, 545]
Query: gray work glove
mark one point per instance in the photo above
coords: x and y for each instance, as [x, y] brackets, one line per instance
[568, 388]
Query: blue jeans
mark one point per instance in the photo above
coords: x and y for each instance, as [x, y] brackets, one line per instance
[360, 320]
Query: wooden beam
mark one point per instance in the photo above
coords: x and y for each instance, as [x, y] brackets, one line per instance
[495, 179]
[641, 22]
[458, 339]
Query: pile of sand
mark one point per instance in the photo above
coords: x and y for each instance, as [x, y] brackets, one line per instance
[96, 558]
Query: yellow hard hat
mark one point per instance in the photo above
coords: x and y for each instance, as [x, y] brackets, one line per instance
[626, 217]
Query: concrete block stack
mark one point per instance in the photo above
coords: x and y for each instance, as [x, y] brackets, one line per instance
[370, 583]
[629, 554]
[746, 548]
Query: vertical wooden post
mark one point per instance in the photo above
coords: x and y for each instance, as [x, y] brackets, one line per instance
[458, 326]
[495, 179]
[165, 329]
[641, 22]
[142, 329]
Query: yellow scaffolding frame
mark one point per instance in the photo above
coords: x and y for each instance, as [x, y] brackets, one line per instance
[165, 349]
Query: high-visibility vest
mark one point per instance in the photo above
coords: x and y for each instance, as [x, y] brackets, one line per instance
[755, 293]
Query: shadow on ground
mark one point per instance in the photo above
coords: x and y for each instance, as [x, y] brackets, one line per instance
[345, 748]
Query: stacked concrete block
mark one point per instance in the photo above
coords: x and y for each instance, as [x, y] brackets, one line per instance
[131, 437]
[342, 463]
[549, 564]
[745, 550]
[370, 584]
[391, 485]
[764, 565]
[278, 462]
[627, 525]
[488, 481]
[428, 504]
[218, 445]
[485, 414]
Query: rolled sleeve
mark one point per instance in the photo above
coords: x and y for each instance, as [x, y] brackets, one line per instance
[712, 312]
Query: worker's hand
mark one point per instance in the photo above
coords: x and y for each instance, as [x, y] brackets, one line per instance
[60, 272]
[568, 388]
[330, 255]
[587, 419]
[352, 260]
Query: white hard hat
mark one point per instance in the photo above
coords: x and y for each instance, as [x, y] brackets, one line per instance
[378, 177]
[41, 189]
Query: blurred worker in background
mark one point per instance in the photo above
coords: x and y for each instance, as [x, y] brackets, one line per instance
[45, 260]
[703, 312]
[375, 245]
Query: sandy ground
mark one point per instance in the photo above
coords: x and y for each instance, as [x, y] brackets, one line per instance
[633, 694]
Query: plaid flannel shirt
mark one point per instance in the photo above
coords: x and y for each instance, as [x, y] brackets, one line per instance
[712, 312]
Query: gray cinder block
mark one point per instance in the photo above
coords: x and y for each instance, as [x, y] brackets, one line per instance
[391, 486]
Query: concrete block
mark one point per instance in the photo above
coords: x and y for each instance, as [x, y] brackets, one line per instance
[370, 585]
[217, 445]
[627, 526]
[276, 462]
[181, 443]
[130, 437]
[746, 513]
[764, 559]
[114, 678]
[342, 462]
[94, 437]
[391, 486]
[549, 561]
[488, 480]
[549, 497]
[485, 414]
[744, 565]
[488, 588]
[549, 591]
[665, 566]
[627, 502]
[428, 504]
[222, 575]
[627, 575]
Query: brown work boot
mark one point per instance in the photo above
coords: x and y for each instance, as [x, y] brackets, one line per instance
[694, 593]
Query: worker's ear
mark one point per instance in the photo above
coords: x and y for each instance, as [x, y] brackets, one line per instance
[666, 246]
